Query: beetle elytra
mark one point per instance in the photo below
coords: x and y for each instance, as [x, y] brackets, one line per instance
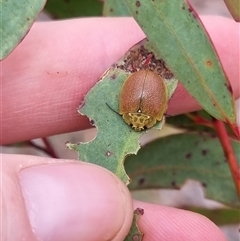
[143, 99]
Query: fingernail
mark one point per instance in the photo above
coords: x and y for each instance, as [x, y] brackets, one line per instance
[74, 201]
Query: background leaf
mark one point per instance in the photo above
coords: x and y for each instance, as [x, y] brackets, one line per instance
[115, 139]
[60, 9]
[115, 8]
[234, 8]
[222, 216]
[16, 18]
[170, 161]
[179, 37]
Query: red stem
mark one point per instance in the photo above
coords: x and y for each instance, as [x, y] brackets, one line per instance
[229, 152]
[200, 120]
[49, 148]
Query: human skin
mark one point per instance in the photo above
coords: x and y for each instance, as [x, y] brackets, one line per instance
[43, 81]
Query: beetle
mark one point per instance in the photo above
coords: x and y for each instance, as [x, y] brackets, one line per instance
[143, 99]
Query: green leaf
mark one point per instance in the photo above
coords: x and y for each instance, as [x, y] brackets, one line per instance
[134, 233]
[115, 8]
[115, 139]
[16, 18]
[170, 161]
[60, 9]
[177, 34]
[234, 8]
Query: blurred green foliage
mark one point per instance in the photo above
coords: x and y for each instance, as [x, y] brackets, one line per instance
[60, 9]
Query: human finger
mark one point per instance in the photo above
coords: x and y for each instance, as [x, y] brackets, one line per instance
[50, 72]
[51, 199]
[167, 224]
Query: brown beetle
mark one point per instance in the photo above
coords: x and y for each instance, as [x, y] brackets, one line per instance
[143, 99]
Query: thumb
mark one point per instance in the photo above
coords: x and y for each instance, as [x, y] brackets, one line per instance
[50, 199]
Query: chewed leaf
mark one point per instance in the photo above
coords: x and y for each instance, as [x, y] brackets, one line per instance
[134, 233]
[115, 139]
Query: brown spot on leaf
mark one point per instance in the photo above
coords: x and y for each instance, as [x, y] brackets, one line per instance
[204, 152]
[229, 87]
[204, 184]
[213, 135]
[138, 4]
[139, 211]
[108, 153]
[141, 181]
[209, 63]
[136, 12]
[173, 183]
[192, 11]
[188, 155]
[111, 10]
[112, 77]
